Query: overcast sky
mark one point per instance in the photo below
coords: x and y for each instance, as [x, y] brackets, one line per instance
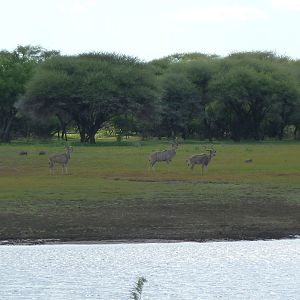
[151, 29]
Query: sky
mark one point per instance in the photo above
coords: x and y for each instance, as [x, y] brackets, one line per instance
[151, 29]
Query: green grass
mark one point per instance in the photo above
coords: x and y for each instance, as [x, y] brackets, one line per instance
[110, 193]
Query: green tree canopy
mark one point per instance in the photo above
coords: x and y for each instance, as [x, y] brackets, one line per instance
[185, 87]
[251, 89]
[16, 68]
[93, 88]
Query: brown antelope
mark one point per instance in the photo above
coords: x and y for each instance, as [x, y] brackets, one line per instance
[201, 159]
[165, 155]
[61, 159]
[23, 152]
[248, 161]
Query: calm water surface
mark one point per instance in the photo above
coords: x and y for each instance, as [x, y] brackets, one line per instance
[214, 270]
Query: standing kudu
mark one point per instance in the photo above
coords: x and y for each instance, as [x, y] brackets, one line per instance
[165, 155]
[202, 159]
[61, 159]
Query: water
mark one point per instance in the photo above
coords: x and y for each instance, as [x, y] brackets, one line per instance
[214, 270]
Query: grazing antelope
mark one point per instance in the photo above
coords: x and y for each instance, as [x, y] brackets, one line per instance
[248, 161]
[42, 152]
[61, 159]
[23, 153]
[201, 159]
[165, 155]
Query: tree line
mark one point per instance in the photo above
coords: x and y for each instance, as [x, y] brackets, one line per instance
[245, 95]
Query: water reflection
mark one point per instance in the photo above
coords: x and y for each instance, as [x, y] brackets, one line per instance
[214, 270]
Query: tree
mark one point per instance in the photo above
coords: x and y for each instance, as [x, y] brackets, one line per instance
[91, 89]
[294, 118]
[252, 88]
[185, 86]
[16, 68]
[179, 101]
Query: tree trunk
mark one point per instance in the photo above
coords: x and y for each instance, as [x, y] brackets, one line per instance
[64, 134]
[5, 135]
[91, 135]
[296, 133]
[92, 139]
[82, 137]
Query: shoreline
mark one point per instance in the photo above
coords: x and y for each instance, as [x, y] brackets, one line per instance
[34, 242]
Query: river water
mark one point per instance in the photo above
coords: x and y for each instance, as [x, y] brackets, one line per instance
[189, 271]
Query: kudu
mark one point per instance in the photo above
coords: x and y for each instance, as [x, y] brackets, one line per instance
[165, 155]
[201, 159]
[61, 159]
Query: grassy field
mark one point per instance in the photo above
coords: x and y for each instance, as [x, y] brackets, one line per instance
[110, 193]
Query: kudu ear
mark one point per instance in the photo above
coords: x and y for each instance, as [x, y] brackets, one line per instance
[177, 141]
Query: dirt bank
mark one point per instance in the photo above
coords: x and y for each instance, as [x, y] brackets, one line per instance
[134, 220]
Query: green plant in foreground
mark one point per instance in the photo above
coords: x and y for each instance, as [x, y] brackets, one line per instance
[137, 290]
